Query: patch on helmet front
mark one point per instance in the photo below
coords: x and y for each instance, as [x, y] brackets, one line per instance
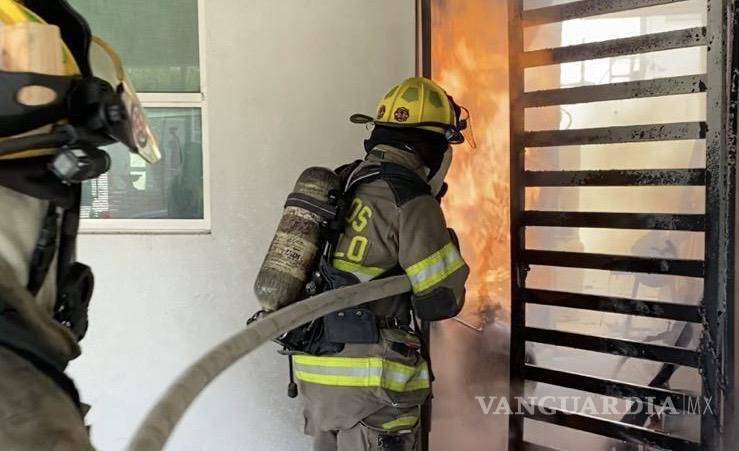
[402, 114]
[381, 112]
[138, 126]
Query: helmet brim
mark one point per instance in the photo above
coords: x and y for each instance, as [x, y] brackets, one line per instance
[359, 118]
[452, 135]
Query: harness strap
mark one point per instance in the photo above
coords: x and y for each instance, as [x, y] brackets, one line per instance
[68, 243]
[45, 250]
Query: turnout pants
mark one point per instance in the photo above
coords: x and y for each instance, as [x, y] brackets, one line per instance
[364, 438]
[367, 397]
[360, 438]
[35, 413]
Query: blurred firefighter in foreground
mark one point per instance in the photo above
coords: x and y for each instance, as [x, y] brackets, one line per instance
[364, 372]
[63, 93]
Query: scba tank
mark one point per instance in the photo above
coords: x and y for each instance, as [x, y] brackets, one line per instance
[294, 251]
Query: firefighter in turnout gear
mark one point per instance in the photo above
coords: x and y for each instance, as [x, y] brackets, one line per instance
[364, 384]
[63, 94]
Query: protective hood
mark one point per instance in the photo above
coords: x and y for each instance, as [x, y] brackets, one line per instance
[19, 231]
[436, 182]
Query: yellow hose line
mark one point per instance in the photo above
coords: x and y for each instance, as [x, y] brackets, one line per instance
[154, 432]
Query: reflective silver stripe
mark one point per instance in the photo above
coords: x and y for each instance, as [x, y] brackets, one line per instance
[438, 271]
[362, 372]
[341, 371]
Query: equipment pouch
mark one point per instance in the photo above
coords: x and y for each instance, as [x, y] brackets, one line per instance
[74, 299]
[353, 325]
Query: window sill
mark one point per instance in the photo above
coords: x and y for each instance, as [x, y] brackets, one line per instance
[145, 227]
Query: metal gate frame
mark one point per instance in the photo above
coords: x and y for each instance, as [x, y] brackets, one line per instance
[714, 357]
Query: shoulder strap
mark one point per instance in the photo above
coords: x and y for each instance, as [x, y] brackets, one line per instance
[405, 184]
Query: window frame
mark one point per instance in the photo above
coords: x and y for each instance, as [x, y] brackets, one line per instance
[196, 100]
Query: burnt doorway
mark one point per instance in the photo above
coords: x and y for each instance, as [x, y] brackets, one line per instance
[614, 275]
[638, 314]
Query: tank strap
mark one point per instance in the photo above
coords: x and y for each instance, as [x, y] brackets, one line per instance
[325, 210]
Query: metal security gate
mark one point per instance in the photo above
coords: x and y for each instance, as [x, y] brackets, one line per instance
[714, 356]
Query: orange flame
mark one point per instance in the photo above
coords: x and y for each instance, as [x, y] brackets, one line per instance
[470, 60]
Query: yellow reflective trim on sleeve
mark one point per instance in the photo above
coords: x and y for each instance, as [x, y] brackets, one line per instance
[366, 372]
[363, 272]
[401, 422]
[435, 268]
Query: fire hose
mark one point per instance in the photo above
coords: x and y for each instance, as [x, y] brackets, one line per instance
[159, 424]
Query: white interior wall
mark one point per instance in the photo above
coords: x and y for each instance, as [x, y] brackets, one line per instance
[282, 78]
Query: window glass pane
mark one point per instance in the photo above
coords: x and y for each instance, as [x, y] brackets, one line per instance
[157, 40]
[170, 189]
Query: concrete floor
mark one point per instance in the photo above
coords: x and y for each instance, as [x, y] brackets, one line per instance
[470, 363]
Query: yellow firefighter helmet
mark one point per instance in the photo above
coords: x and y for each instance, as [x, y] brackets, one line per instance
[63, 89]
[421, 103]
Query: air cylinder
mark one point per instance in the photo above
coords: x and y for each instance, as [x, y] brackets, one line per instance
[294, 251]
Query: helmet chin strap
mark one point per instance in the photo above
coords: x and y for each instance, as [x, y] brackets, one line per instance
[436, 180]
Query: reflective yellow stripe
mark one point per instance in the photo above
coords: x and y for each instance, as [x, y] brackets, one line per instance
[401, 422]
[355, 362]
[361, 382]
[435, 268]
[364, 372]
[357, 269]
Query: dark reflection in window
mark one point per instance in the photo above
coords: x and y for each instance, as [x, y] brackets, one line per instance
[170, 189]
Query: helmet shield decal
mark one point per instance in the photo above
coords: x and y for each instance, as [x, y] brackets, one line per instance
[136, 134]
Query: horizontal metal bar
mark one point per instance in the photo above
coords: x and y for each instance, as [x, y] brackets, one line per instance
[649, 221]
[625, 306]
[612, 429]
[624, 348]
[613, 388]
[645, 177]
[667, 40]
[688, 84]
[585, 8]
[620, 134]
[623, 263]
